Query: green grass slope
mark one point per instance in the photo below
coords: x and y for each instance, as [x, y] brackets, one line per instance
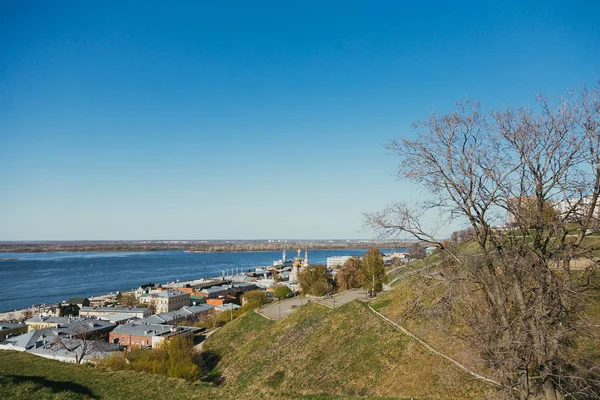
[25, 376]
[347, 351]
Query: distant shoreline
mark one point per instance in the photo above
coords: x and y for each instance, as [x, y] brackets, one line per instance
[209, 247]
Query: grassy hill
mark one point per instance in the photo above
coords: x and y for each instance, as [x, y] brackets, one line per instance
[316, 353]
[347, 351]
[418, 303]
[24, 376]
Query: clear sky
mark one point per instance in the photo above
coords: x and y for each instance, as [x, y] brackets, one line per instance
[247, 120]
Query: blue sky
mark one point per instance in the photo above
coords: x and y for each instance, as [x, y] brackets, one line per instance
[243, 120]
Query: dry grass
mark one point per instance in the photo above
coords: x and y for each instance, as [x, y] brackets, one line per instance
[346, 351]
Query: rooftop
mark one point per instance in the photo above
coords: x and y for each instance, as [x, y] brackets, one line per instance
[74, 327]
[114, 310]
[49, 319]
[227, 307]
[115, 317]
[6, 326]
[165, 293]
[77, 300]
[183, 312]
[147, 329]
[66, 349]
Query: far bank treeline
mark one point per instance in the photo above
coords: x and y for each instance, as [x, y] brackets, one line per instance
[211, 246]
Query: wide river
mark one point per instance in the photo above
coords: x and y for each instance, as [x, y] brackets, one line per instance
[35, 278]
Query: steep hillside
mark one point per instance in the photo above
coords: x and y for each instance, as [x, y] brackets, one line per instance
[419, 302]
[344, 351]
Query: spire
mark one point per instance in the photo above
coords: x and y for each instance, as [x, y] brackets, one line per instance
[306, 258]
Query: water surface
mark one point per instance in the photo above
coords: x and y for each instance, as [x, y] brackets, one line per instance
[37, 278]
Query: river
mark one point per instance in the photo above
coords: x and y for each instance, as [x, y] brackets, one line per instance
[35, 278]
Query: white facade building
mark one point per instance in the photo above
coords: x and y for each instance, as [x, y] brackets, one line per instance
[336, 261]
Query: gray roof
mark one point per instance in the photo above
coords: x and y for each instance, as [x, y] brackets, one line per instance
[50, 319]
[26, 340]
[146, 329]
[169, 293]
[216, 289]
[75, 327]
[233, 286]
[6, 326]
[243, 285]
[203, 285]
[227, 306]
[183, 312]
[66, 348]
[114, 310]
[115, 317]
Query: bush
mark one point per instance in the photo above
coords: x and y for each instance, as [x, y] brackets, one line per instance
[174, 358]
[254, 299]
[315, 280]
[282, 291]
[350, 275]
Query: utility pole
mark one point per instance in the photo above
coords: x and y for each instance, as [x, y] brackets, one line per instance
[279, 304]
[231, 311]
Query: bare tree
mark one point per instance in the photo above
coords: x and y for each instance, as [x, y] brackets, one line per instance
[77, 338]
[518, 291]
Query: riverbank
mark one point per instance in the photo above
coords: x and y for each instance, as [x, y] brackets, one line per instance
[192, 246]
[53, 277]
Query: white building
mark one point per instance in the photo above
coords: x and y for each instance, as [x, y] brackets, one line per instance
[337, 261]
[573, 209]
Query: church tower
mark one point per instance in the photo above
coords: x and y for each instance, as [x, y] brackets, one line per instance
[306, 259]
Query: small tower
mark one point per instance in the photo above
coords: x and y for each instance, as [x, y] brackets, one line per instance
[283, 258]
[306, 259]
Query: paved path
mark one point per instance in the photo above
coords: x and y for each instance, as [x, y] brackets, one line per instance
[284, 308]
[278, 310]
[342, 298]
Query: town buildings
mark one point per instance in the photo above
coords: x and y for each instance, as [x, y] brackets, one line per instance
[46, 321]
[165, 300]
[134, 312]
[137, 335]
[188, 313]
[336, 261]
[7, 329]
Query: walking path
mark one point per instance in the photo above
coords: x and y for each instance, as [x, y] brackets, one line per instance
[198, 347]
[282, 309]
